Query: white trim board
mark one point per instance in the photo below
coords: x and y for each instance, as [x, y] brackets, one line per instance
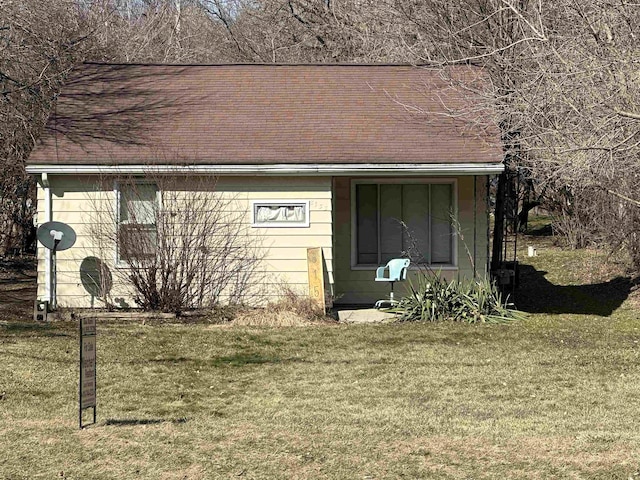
[366, 169]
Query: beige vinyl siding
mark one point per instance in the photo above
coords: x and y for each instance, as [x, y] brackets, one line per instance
[357, 285]
[82, 201]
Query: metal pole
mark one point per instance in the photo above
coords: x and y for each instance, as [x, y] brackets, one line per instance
[54, 280]
[54, 290]
[95, 376]
[80, 383]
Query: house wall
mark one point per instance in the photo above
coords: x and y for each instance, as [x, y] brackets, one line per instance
[357, 285]
[86, 201]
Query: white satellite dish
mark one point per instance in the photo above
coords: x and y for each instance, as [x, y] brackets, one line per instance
[56, 236]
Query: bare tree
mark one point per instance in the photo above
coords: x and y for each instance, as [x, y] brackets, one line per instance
[153, 31]
[41, 41]
[564, 75]
[564, 84]
[38, 45]
[306, 31]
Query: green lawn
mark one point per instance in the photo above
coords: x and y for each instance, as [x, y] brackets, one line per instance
[554, 396]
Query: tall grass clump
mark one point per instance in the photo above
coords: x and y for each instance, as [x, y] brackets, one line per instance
[433, 299]
[291, 309]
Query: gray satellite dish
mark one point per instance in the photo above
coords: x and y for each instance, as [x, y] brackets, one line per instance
[56, 236]
[95, 277]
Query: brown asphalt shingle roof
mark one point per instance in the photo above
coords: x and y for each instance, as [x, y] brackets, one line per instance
[266, 114]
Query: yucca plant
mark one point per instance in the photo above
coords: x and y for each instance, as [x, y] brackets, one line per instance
[433, 299]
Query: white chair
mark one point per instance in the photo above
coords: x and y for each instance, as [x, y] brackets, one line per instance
[396, 270]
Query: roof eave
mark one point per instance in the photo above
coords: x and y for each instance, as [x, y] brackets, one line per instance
[338, 169]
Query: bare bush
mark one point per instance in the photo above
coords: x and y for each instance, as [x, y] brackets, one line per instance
[183, 245]
[591, 216]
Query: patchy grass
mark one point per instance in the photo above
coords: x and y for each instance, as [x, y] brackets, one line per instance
[566, 281]
[552, 396]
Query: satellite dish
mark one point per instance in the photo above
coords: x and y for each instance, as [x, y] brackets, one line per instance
[95, 277]
[56, 236]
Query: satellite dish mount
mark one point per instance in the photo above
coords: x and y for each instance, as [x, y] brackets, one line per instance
[55, 236]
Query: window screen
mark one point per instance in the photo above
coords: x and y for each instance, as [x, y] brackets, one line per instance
[137, 225]
[396, 220]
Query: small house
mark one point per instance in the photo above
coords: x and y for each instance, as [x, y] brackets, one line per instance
[365, 162]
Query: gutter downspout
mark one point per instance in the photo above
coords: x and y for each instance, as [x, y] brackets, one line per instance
[48, 266]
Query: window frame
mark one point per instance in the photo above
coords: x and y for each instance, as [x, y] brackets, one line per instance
[117, 190]
[402, 181]
[282, 203]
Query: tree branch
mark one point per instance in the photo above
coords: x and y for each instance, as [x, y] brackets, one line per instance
[624, 113]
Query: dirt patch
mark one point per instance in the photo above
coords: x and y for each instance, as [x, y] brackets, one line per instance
[18, 285]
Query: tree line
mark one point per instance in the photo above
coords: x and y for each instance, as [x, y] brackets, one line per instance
[564, 79]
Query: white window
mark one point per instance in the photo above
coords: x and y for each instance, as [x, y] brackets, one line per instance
[280, 213]
[392, 220]
[137, 220]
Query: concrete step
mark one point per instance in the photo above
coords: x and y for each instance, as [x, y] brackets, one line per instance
[366, 315]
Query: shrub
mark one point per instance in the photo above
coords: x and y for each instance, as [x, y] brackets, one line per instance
[182, 244]
[433, 299]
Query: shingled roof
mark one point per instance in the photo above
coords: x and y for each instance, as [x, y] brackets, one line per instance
[126, 114]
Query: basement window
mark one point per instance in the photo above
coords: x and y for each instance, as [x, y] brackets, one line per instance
[280, 213]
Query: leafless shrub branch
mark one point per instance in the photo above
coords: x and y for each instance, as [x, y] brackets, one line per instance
[193, 249]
